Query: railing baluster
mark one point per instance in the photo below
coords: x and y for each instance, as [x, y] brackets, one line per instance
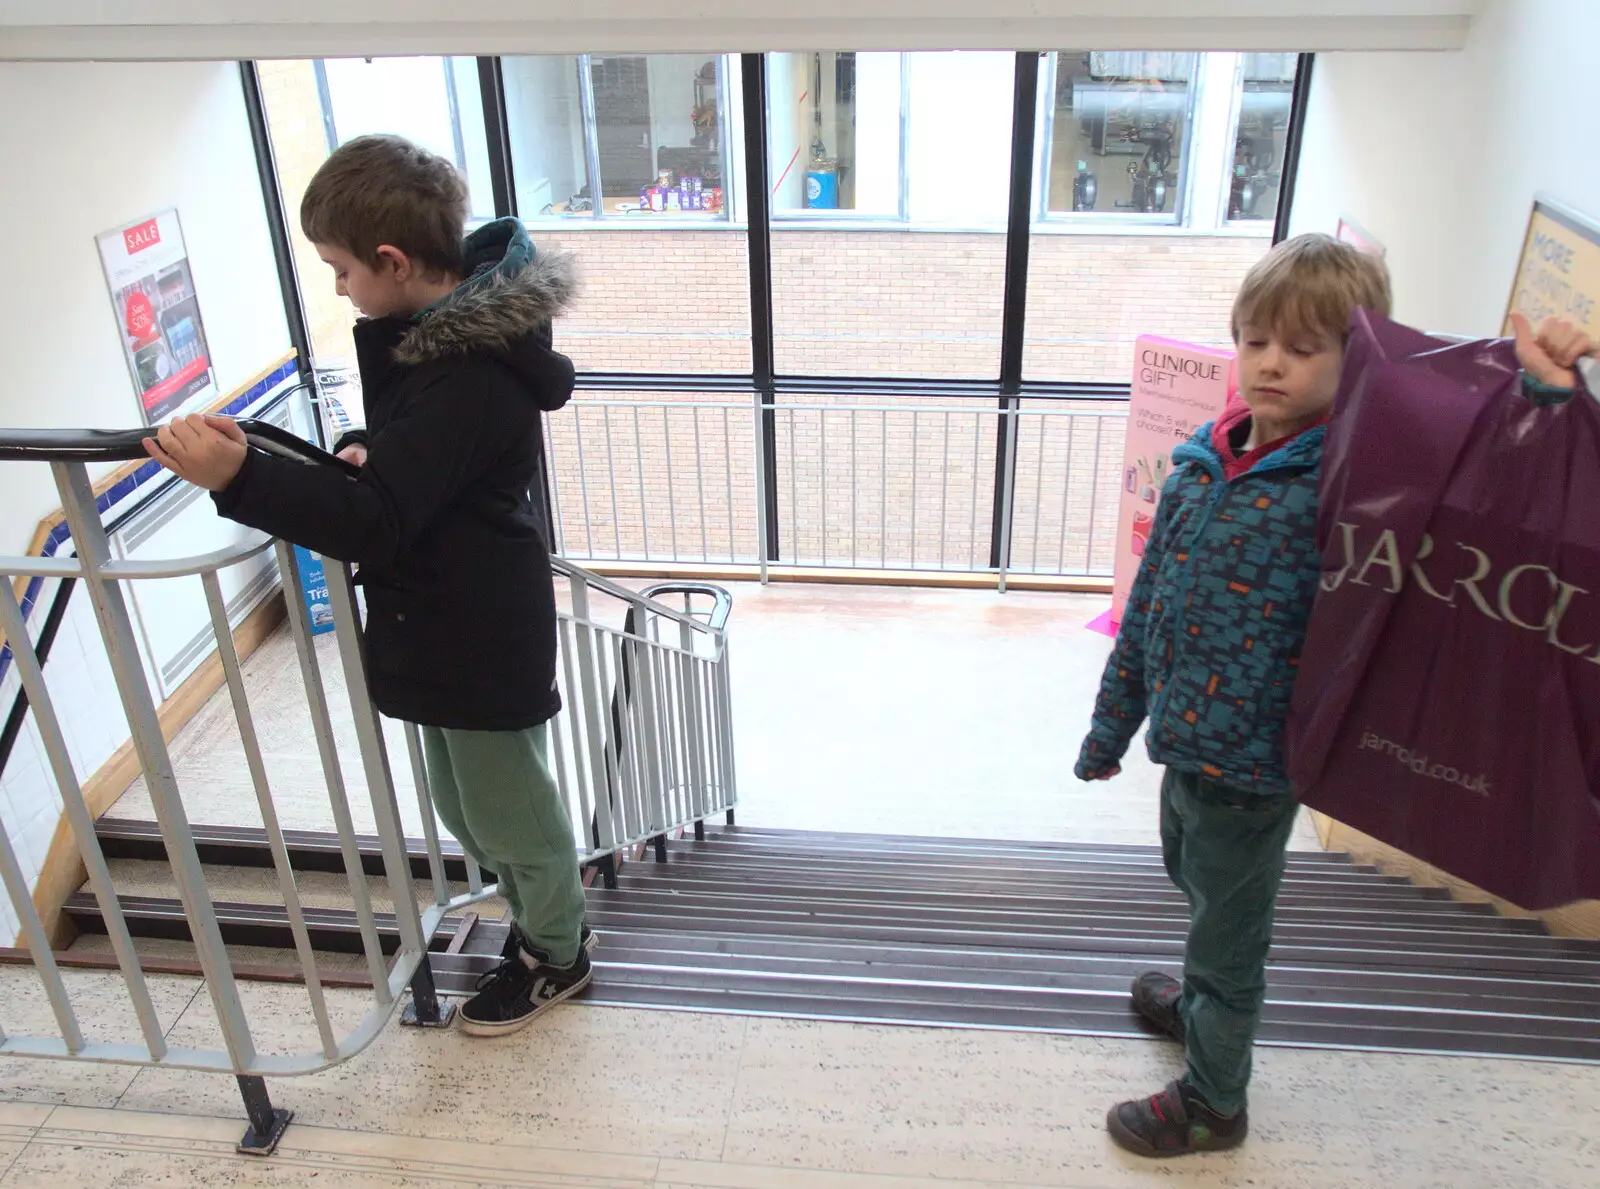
[883, 497]
[855, 551]
[944, 492]
[572, 712]
[916, 451]
[644, 498]
[822, 487]
[122, 650]
[1094, 492]
[558, 515]
[727, 472]
[222, 629]
[583, 481]
[1038, 494]
[972, 526]
[672, 481]
[793, 534]
[611, 470]
[700, 483]
[1066, 491]
[430, 824]
[13, 628]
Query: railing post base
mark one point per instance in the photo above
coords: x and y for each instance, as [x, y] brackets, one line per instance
[606, 865]
[426, 1009]
[267, 1124]
[660, 841]
[700, 830]
[730, 817]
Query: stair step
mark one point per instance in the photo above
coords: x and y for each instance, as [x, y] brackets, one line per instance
[1156, 896]
[1329, 983]
[247, 846]
[946, 932]
[708, 856]
[259, 885]
[265, 925]
[838, 842]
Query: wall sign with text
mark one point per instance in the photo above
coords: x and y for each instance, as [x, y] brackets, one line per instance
[158, 316]
[1558, 274]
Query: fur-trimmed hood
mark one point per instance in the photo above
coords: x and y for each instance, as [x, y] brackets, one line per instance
[510, 296]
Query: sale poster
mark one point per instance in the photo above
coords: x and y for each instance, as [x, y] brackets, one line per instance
[158, 316]
[1177, 388]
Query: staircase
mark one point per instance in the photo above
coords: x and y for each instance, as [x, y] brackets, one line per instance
[932, 931]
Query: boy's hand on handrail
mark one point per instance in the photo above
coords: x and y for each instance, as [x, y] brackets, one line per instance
[207, 451]
[354, 453]
[1550, 354]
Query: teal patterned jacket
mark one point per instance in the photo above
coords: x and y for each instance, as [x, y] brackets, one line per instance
[1213, 629]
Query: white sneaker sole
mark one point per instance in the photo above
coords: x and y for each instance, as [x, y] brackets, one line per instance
[507, 1027]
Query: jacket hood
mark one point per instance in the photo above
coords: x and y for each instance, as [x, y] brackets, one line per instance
[511, 294]
[1300, 452]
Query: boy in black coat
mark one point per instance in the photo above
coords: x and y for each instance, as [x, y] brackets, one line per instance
[456, 366]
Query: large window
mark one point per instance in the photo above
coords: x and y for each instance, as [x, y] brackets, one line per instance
[1261, 135]
[639, 137]
[889, 143]
[1117, 133]
[882, 438]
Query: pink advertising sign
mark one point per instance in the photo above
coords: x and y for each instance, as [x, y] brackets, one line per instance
[1177, 387]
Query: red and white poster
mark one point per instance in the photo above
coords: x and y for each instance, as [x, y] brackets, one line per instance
[1177, 387]
[158, 316]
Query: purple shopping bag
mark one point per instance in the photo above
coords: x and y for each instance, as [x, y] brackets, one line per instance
[1448, 701]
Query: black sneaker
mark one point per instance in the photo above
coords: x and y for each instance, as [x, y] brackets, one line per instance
[1155, 999]
[1174, 1122]
[521, 988]
[587, 938]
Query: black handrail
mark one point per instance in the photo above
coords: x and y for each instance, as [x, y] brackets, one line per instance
[127, 445]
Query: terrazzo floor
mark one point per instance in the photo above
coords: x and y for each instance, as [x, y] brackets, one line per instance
[857, 709]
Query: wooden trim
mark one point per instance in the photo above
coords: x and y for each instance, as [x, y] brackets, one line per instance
[1573, 920]
[63, 872]
[847, 577]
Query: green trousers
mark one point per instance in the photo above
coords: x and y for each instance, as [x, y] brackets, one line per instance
[1224, 847]
[494, 791]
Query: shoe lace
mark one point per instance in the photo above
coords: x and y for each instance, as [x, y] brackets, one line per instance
[500, 975]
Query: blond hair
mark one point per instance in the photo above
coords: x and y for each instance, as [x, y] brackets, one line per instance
[378, 190]
[1311, 284]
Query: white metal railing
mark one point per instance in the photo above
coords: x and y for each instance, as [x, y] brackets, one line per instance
[852, 486]
[642, 746]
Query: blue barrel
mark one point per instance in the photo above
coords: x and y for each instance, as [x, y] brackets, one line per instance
[822, 187]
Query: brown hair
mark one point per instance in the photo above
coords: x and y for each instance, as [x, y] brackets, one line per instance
[1311, 283]
[379, 190]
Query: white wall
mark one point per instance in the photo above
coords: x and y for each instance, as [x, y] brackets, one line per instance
[1438, 156]
[101, 145]
[87, 148]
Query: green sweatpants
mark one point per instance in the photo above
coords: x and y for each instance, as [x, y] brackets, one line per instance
[495, 793]
[1224, 847]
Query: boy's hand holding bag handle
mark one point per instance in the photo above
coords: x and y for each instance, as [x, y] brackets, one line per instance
[1448, 701]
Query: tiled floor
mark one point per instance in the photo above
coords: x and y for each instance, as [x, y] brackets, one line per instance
[612, 1097]
[857, 709]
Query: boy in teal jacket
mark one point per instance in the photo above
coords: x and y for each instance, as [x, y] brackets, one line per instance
[1207, 651]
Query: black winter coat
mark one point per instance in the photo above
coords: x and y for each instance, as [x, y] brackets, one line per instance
[461, 617]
